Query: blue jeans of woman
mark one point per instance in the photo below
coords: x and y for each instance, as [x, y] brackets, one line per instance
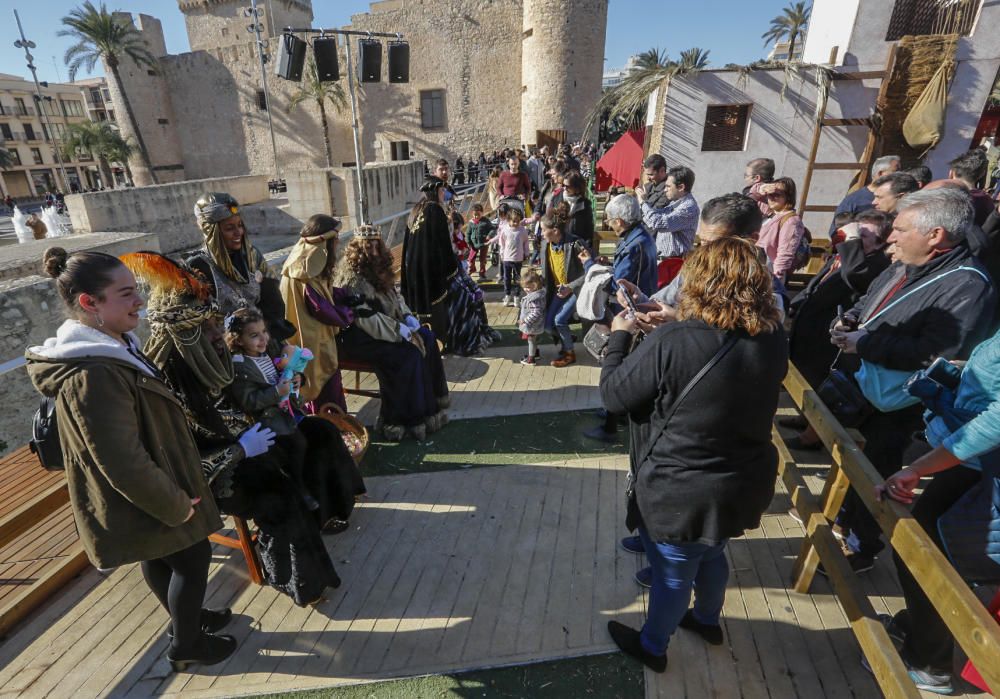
[558, 317]
[677, 569]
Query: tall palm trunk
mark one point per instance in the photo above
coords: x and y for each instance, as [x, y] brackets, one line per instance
[145, 173]
[326, 133]
[107, 177]
[791, 48]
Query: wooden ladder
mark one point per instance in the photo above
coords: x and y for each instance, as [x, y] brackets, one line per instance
[861, 169]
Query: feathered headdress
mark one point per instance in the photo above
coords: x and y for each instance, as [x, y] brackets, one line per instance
[164, 277]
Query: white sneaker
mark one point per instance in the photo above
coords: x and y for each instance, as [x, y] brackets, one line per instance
[506, 300]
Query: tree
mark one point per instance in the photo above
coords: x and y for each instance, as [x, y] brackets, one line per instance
[624, 106]
[6, 159]
[101, 36]
[320, 92]
[101, 141]
[790, 26]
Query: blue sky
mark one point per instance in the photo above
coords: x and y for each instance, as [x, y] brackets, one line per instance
[729, 29]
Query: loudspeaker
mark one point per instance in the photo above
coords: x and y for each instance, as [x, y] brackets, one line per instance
[399, 62]
[371, 60]
[327, 62]
[291, 58]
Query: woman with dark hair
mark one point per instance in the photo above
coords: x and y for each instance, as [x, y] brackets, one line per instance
[234, 269]
[781, 233]
[412, 384]
[187, 344]
[132, 466]
[700, 394]
[317, 309]
[432, 281]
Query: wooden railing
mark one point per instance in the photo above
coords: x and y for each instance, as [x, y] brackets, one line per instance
[967, 618]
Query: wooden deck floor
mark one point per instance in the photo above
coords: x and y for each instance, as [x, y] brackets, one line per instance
[463, 569]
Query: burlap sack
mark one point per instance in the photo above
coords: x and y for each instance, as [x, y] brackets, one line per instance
[924, 125]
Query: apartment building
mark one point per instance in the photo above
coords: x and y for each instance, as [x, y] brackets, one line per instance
[25, 134]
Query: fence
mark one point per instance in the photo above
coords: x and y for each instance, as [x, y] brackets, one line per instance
[969, 621]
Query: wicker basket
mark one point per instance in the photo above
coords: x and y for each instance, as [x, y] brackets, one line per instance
[346, 423]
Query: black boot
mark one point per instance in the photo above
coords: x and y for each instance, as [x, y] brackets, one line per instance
[212, 620]
[709, 632]
[208, 650]
[627, 639]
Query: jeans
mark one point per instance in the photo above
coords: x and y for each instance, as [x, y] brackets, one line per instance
[677, 569]
[558, 317]
[511, 278]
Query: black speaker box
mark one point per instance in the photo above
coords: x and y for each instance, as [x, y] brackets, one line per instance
[399, 62]
[291, 58]
[327, 62]
[371, 60]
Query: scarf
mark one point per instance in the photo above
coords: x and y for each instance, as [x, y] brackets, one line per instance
[178, 327]
[656, 195]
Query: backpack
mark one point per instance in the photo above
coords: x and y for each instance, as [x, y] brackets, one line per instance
[45, 436]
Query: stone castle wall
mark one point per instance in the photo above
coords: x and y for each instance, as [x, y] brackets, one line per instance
[562, 61]
[215, 23]
[471, 49]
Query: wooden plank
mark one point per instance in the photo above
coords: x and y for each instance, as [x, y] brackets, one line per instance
[976, 632]
[39, 507]
[58, 574]
[819, 208]
[863, 121]
[860, 74]
[838, 166]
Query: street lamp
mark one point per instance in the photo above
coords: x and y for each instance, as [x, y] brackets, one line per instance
[253, 12]
[23, 43]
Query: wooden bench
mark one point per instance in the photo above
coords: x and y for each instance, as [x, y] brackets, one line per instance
[245, 542]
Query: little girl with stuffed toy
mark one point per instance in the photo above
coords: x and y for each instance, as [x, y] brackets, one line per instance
[260, 391]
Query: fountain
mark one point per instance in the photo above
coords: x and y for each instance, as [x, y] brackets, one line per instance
[21, 230]
[58, 224]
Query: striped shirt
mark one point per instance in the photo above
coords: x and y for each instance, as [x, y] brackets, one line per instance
[673, 226]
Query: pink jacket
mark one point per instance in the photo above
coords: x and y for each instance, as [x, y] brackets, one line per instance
[514, 243]
[779, 237]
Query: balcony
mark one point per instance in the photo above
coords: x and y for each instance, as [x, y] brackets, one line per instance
[14, 136]
[23, 111]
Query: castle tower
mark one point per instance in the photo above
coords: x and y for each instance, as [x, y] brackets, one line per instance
[212, 24]
[562, 61]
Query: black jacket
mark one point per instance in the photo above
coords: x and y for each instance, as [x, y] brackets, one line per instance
[946, 318]
[816, 306]
[711, 473]
[581, 220]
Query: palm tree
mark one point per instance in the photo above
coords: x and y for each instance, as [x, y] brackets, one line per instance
[100, 35]
[790, 26]
[320, 92]
[101, 141]
[625, 103]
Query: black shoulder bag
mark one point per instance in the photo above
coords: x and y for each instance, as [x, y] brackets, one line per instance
[633, 474]
[45, 436]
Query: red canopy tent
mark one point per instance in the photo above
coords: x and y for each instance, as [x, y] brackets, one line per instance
[622, 164]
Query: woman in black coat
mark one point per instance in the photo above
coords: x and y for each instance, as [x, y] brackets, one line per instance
[703, 465]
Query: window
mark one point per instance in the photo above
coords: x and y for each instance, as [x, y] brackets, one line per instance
[71, 108]
[162, 121]
[19, 107]
[726, 127]
[432, 109]
[929, 17]
[5, 131]
[400, 150]
[261, 101]
[36, 155]
[14, 156]
[49, 106]
[29, 131]
[96, 98]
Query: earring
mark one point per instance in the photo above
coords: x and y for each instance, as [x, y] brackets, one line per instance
[100, 321]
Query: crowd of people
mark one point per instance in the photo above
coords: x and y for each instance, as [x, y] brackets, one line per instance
[691, 319]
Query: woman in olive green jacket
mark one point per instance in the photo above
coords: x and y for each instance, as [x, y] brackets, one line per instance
[133, 470]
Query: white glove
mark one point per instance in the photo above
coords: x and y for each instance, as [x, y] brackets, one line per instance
[405, 331]
[256, 440]
[412, 323]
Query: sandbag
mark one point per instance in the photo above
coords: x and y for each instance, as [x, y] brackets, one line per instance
[924, 125]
